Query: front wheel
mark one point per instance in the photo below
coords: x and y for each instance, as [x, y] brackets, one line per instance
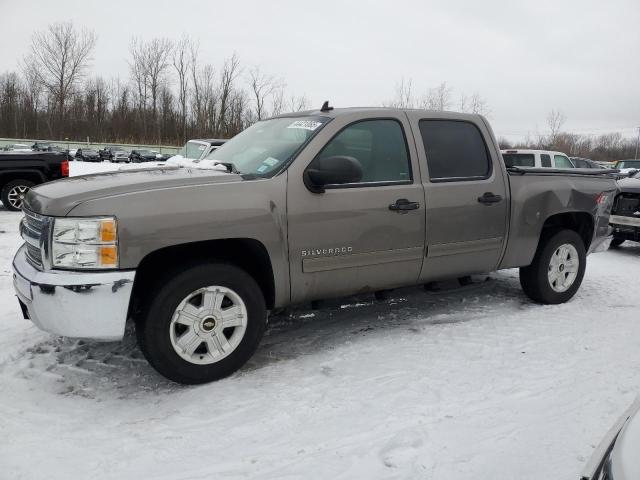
[203, 324]
[557, 269]
[13, 194]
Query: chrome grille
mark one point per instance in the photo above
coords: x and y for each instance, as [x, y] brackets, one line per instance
[31, 228]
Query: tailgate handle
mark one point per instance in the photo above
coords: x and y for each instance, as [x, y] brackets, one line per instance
[489, 197]
[403, 205]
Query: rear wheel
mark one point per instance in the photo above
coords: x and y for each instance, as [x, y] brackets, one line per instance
[616, 242]
[557, 269]
[13, 193]
[203, 324]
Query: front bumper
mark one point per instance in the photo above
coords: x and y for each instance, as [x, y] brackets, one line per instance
[625, 227]
[74, 304]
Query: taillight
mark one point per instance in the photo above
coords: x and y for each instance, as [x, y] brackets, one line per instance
[601, 198]
[64, 168]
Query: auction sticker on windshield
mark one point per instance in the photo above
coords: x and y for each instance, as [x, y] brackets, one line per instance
[270, 161]
[305, 124]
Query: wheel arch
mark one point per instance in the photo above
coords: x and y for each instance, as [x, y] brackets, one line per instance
[34, 176]
[580, 222]
[247, 253]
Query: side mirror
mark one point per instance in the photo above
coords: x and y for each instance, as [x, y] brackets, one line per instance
[331, 171]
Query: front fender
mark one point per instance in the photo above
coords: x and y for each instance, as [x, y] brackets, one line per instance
[150, 220]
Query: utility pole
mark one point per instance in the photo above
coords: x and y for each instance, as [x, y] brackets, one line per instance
[637, 144]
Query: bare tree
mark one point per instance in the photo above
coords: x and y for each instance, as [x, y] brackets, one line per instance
[33, 94]
[464, 103]
[478, 104]
[138, 71]
[229, 73]
[157, 55]
[438, 98]
[181, 60]
[149, 68]
[555, 120]
[60, 56]
[298, 104]
[204, 98]
[404, 95]
[277, 101]
[262, 87]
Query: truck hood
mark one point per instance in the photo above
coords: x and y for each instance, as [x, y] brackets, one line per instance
[59, 197]
[629, 185]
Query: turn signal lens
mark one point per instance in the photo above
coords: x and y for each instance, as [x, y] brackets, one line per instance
[108, 230]
[108, 256]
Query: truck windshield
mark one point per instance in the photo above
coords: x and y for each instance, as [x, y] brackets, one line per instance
[264, 147]
[193, 150]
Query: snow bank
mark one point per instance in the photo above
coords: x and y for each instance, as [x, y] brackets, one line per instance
[86, 168]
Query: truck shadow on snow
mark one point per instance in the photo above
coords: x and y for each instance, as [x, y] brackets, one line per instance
[631, 249]
[97, 370]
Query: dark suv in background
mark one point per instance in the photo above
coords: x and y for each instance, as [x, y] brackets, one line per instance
[114, 153]
[584, 163]
[87, 155]
[138, 156]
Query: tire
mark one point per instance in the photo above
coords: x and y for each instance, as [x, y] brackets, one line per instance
[616, 242]
[536, 279]
[13, 193]
[160, 336]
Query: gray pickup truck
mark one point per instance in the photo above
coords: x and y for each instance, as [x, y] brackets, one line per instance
[296, 208]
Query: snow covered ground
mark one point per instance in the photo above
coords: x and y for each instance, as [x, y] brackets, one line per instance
[471, 383]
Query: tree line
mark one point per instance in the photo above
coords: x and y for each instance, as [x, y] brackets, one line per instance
[170, 94]
[604, 147]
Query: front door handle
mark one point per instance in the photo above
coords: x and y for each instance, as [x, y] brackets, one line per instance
[489, 197]
[402, 205]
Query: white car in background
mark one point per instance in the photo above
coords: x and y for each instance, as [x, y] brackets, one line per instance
[627, 167]
[194, 151]
[18, 147]
[536, 158]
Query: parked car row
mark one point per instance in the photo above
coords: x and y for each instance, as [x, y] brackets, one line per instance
[111, 153]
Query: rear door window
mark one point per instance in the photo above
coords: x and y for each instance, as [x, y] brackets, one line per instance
[545, 160]
[455, 150]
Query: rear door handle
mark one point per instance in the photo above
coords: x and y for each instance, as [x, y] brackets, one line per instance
[489, 197]
[402, 205]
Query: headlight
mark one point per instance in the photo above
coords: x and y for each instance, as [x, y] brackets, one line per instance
[84, 243]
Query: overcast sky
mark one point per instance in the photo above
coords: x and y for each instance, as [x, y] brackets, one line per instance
[525, 58]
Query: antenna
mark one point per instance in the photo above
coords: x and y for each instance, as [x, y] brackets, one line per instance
[326, 107]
